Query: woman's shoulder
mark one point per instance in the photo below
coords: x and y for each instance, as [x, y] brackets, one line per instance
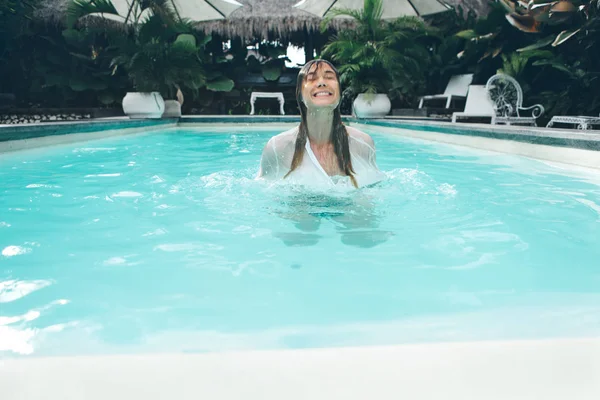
[360, 137]
[282, 142]
[290, 133]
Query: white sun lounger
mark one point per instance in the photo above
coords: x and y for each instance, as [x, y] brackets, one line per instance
[478, 104]
[581, 122]
[457, 88]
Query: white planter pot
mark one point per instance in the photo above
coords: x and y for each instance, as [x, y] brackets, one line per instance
[143, 105]
[172, 109]
[372, 105]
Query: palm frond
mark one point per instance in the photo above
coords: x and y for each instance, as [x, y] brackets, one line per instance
[78, 9]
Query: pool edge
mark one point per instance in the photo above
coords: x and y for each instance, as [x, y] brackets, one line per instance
[580, 148]
[574, 156]
[523, 369]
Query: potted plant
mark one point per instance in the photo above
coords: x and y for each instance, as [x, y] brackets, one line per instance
[160, 67]
[160, 53]
[377, 60]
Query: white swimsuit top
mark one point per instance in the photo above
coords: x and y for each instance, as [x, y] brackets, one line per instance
[279, 151]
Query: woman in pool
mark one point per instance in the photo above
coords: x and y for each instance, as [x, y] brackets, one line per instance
[321, 151]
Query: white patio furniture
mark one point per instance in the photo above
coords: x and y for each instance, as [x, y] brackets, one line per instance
[507, 96]
[457, 88]
[478, 104]
[581, 122]
[268, 95]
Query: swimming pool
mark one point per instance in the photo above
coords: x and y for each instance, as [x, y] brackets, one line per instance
[164, 242]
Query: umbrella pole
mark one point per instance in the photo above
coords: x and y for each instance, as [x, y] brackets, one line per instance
[176, 10]
[330, 6]
[309, 48]
[130, 11]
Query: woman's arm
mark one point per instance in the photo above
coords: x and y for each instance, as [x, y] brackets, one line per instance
[269, 164]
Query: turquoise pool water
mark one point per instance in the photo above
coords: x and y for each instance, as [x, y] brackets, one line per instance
[164, 242]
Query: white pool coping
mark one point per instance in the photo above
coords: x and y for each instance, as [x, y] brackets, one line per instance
[565, 369]
[69, 138]
[559, 154]
[563, 155]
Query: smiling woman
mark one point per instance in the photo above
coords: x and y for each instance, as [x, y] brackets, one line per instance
[336, 154]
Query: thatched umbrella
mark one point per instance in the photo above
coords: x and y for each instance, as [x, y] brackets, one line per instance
[479, 7]
[265, 19]
[280, 20]
[187, 9]
[390, 9]
[52, 10]
[269, 19]
[272, 20]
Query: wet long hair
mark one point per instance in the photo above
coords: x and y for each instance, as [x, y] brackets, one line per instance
[339, 135]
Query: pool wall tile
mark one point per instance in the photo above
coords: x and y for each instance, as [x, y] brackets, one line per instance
[243, 119]
[30, 131]
[586, 140]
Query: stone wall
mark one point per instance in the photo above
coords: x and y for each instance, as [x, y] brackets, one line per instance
[10, 119]
[33, 116]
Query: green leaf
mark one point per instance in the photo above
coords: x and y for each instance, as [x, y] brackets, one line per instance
[186, 38]
[539, 54]
[553, 64]
[563, 37]
[222, 84]
[213, 75]
[271, 72]
[538, 45]
[73, 36]
[106, 98]
[205, 40]
[253, 63]
[81, 8]
[81, 57]
[78, 85]
[55, 59]
[55, 80]
[49, 40]
[97, 85]
[468, 34]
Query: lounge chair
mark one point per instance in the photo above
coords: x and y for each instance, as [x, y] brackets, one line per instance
[478, 104]
[507, 96]
[457, 88]
[581, 122]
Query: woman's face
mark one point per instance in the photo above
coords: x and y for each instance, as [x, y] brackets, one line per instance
[321, 88]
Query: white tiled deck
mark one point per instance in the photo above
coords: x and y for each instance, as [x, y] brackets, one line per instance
[524, 370]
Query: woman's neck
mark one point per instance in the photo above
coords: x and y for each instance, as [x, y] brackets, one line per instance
[320, 126]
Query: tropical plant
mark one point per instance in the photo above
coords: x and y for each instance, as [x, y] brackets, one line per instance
[567, 79]
[516, 64]
[158, 50]
[270, 62]
[444, 62]
[15, 32]
[75, 66]
[488, 40]
[570, 17]
[379, 57]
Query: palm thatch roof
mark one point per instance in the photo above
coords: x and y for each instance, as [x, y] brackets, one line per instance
[52, 10]
[278, 19]
[262, 19]
[479, 7]
[266, 19]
